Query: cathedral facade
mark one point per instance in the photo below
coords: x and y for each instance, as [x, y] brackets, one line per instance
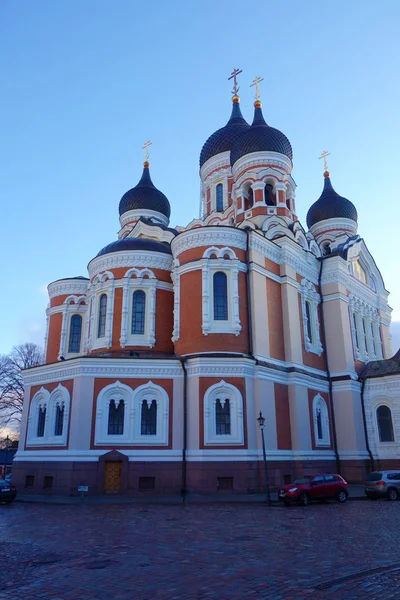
[159, 362]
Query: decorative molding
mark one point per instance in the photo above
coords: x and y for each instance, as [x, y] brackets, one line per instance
[43, 399]
[210, 236]
[254, 160]
[133, 258]
[134, 215]
[310, 296]
[225, 393]
[64, 286]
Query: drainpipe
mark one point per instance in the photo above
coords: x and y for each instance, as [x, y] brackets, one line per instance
[330, 393]
[371, 456]
[184, 446]
[248, 289]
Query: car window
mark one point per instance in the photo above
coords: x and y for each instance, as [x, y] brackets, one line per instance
[393, 476]
[302, 480]
[4, 483]
[375, 476]
[330, 478]
[318, 479]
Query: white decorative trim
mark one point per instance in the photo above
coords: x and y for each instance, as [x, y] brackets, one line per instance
[310, 295]
[319, 408]
[364, 324]
[132, 258]
[177, 301]
[214, 164]
[133, 400]
[226, 393]
[134, 279]
[44, 399]
[208, 236]
[66, 286]
[68, 311]
[255, 160]
[347, 225]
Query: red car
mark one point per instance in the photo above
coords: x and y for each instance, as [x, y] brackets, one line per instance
[320, 487]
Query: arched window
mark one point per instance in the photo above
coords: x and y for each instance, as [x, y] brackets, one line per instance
[41, 420]
[269, 195]
[101, 329]
[321, 422]
[356, 336]
[219, 197]
[59, 420]
[75, 331]
[309, 322]
[138, 312]
[385, 424]
[223, 416]
[148, 425]
[116, 417]
[249, 199]
[220, 296]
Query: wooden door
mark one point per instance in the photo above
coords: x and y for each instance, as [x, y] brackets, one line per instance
[112, 483]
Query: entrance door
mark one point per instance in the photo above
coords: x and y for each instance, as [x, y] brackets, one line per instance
[112, 483]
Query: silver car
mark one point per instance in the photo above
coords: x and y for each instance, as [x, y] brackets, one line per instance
[383, 484]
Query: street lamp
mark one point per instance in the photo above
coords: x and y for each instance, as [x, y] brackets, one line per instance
[7, 443]
[261, 423]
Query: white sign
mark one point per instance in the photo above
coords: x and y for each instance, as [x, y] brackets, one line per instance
[83, 488]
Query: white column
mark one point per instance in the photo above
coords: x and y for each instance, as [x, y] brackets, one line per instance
[124, 314]
[110, 313]
[63, 331]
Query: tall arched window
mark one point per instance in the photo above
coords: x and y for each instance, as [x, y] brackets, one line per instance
[59, 420]
[385, 424]
[223, 416]
[138, 312]
[269, 195]
[220, 296]
[116, 417]
[319, 424]
[219, 197]
[101, 329]
[41, 421]
[148, 425]
[75, 331]
[321, 421]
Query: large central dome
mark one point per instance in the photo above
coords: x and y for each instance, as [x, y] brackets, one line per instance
[222, 140]
[260, 137]
[145, 197]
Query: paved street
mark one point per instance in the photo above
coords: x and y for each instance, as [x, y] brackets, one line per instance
[200, 552]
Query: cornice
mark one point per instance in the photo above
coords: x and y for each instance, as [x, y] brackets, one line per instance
[132, 258]
[208, 236]
[66, 286]
[219, 161]
[329, 224]
[134, 215]
[257, 159]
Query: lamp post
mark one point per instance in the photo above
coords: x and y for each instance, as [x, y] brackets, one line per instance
[261, 423]
[7, 443]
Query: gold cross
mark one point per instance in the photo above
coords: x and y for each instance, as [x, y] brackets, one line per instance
[146, 148]
[324, 154]
[233, 76]
[256, 81]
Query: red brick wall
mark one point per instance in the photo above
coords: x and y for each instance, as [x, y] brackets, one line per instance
[283, 430]
[53, 341]
[275, 320]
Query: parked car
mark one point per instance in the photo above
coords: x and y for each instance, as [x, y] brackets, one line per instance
[7, 491]
[322, 486]
[383, 484]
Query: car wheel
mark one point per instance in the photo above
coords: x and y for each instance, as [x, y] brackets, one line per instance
[392, 494]
[304, 499]
[341, 496]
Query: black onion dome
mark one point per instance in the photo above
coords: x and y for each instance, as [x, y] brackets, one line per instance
[145, 196]
[135, 244]
[330, 206]
[260, 137]
[222, 140]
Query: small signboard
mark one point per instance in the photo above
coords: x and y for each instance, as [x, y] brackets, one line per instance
[83, 488]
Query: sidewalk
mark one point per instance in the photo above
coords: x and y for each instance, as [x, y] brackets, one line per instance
[356, 492]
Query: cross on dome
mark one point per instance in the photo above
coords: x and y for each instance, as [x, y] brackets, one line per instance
[233, 76]
[324, 154]
[255, 83]
[146, 149]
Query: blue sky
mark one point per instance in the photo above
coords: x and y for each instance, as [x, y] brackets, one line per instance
[85, 83]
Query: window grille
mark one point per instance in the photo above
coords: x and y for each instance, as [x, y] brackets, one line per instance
[75, 334]
[138, 312]
[116, 417]
[220, 296]
[41, 421]
[101, 330]
[149, 418]
[385, 424]
[59, 422]
[319, 424]
[309, 324]
[223, 417]
[219, 194]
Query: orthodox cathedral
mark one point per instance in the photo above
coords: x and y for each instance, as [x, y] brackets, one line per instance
[159, 363]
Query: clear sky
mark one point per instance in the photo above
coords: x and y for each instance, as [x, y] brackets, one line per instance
[85, 82]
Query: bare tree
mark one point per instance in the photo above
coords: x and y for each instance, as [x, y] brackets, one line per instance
[21, 357]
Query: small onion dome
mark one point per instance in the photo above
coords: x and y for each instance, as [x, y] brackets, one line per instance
[330, 206]
[222, 140]
[128, 243]
[145, 196]
[260, 137]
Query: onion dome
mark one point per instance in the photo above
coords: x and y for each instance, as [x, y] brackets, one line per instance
[129, 243]
[260, 137]
[330, 206]
[222, 140]
[145, 197]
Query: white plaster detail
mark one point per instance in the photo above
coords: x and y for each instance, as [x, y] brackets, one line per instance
[132, 258]
[225, 392]
[43, 399]
[310, 296]
[211, 236]
[321, 421]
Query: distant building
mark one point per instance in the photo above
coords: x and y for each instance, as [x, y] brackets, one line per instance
[158, 363]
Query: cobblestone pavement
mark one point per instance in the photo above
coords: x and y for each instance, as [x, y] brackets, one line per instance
[200, 552]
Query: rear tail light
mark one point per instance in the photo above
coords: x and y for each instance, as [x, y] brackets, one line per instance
[13, 488]
[380, 483]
